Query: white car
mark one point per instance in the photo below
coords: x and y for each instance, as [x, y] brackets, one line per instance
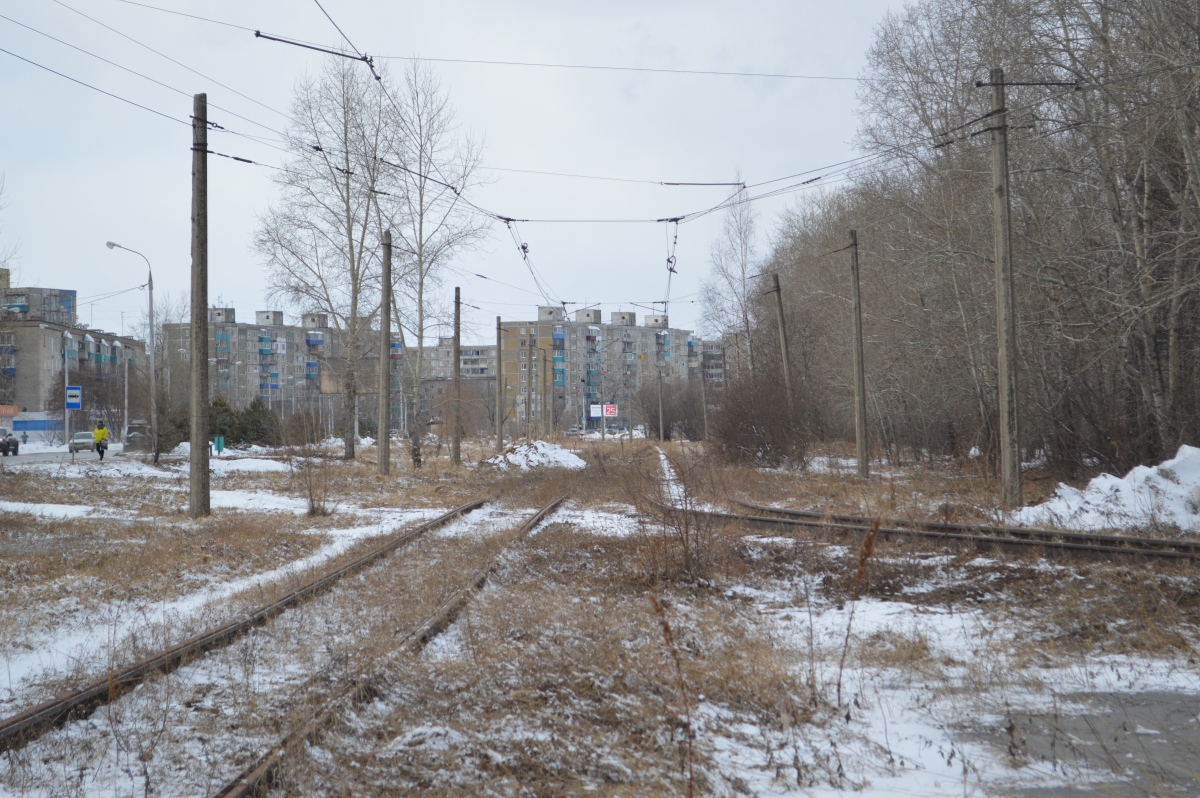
[81, 442]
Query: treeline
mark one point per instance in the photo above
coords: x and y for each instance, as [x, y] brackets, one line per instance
[1105, 188]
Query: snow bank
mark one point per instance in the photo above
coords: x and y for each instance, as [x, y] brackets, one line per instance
[538, 454]
[1147, 496]
[47, 510]
[255, 464]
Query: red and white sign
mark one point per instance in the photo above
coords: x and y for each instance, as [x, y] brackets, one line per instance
[8, 411]
[610, 411]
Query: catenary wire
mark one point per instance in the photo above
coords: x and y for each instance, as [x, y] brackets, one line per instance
[94, 88]
[169, 58]
[134, 72]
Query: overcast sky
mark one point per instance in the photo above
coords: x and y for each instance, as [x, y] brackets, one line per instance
[82, 168]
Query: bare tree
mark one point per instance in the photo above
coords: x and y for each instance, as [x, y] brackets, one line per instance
[320, 238]
[728, 294]
[434, 164]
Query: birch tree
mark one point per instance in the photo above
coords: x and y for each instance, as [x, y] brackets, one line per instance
[434, 163]
[320, 238]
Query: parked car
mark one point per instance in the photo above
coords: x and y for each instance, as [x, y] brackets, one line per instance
[8, 442]
[137, 436]
[81, 442]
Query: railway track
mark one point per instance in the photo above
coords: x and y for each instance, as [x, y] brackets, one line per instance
[254, 779]
[17, 730]
[1005, 538]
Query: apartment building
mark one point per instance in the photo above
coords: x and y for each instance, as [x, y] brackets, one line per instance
[40, 336]
[554, 368]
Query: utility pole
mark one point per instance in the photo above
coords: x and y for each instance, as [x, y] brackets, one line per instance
[783, 344]
[1006, 322]
[384, 433]
[153, 361]
[528, 391]
[67, 382]
[703, 395]
[199, 505]
[456, 434]
[547, 406]
[125, 415]
[499, 387]
[860, 379]
[662, 433]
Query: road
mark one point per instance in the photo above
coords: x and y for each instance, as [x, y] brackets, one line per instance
[59, 457]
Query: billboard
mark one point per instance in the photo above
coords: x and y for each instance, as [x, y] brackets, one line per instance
[595, 411]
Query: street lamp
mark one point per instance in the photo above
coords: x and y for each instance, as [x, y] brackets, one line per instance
[149, 344]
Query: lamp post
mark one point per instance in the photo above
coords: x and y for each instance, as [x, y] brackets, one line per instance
[149, 343]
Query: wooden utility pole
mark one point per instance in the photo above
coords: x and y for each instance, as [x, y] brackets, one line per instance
[384, 433]
[861, 446]
[199, 505]
[1006, 322]
[499, 387]
[783, 343]
[456, 434]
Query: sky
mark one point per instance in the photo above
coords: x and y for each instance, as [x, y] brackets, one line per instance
[82, 167]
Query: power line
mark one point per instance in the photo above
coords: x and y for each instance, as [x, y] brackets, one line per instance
[612, 68]
[169, 58]
[94, 88]
[132, 71]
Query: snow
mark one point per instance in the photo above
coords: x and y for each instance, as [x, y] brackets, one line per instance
[621, 521]
[48, 510]
[222, 466]
[903, 734]
[86, 640]
[256, 501]
[1167, 494]
[539, 454]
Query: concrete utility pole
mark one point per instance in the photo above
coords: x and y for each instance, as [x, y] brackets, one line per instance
[703, 396]
[66, 382]
[1006, 322]
[662, 433]
[125, 414]
[547, 406]
[199, 505]
[783, 344]
[153, 363]
[499, 387]
[456, 434]
[384, 433]
[528, 390]
[861, 447]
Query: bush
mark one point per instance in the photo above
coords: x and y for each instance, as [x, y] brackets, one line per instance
[753, 423]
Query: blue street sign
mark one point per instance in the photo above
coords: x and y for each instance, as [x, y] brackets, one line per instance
[74, 397]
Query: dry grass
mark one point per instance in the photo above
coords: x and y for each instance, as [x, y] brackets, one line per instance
[557, 681]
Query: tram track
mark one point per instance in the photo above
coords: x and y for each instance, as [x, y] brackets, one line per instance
[259, 775]
[80, 702]
[983, 536]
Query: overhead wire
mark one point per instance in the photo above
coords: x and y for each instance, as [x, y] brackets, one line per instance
[133, 71]
[169, 58]
[96, 88]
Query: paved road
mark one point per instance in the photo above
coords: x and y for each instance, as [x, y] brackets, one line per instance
[57, 457]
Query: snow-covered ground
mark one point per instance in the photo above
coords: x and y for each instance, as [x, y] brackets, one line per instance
[1148, 497]
[538, 454]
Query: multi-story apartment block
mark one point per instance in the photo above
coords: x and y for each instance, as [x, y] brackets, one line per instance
[556, 367]
[285, 365]
[39, 337]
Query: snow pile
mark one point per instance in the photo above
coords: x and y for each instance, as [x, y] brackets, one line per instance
[1168, 494]
[538, 454]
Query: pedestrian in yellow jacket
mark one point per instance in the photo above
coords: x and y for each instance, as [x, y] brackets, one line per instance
[100, 436]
